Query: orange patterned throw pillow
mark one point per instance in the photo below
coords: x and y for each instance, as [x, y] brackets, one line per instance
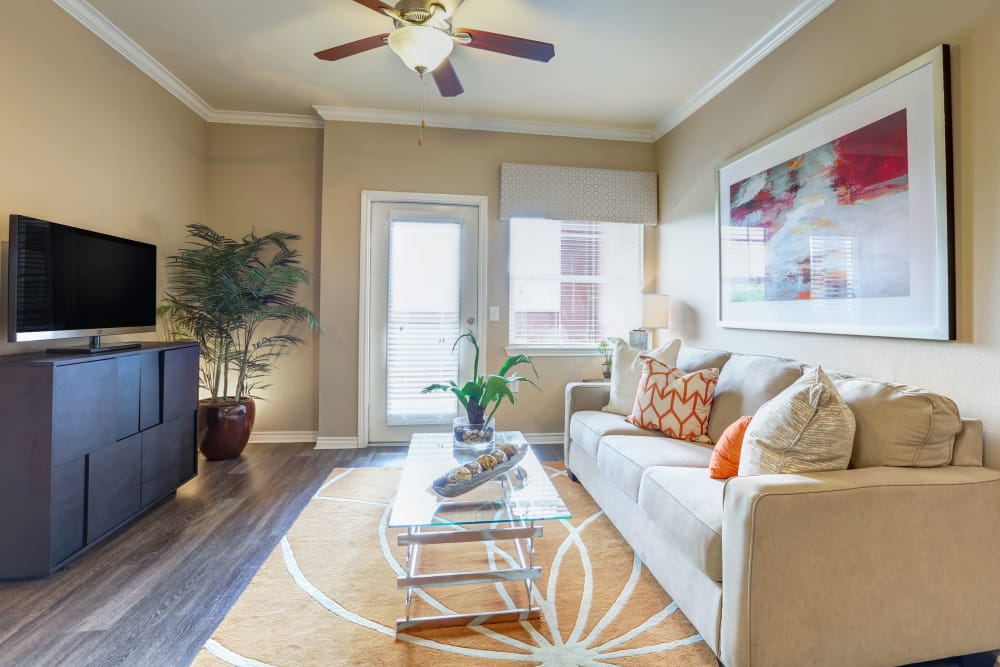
[725, 461]
[674, 402]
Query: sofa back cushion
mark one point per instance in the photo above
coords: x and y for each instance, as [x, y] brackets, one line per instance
[698, 358]
[746, 382]
[898, 425]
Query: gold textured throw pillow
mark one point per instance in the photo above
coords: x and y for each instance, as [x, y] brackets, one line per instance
[805, 428]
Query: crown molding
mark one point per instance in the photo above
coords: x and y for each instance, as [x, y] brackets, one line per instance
[112, 35]
[458, 122]
[97, 23]
[794, 21]
[261, 118]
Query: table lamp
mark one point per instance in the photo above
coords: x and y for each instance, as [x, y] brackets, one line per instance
[655, 315]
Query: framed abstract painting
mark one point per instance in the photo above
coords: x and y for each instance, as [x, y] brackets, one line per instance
[842, 223]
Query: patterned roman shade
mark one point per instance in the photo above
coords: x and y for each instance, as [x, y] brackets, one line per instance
[578, 194]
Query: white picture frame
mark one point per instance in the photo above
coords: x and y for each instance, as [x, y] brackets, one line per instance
[843, 222]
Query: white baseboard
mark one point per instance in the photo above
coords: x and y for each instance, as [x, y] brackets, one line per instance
[283, 437]
[544, 438]
[326, 442]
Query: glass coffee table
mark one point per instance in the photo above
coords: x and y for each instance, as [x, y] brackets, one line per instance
[505, 508]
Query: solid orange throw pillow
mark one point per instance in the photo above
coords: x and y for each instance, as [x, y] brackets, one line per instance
[725, 461]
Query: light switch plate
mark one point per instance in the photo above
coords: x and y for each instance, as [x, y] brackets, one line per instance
[494, 313]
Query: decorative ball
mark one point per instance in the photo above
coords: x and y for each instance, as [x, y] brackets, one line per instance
[499, 455]
[509, 450]
[474, 467]
[487, 462]
[459, 474]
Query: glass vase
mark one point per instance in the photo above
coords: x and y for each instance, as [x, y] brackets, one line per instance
[473, 437]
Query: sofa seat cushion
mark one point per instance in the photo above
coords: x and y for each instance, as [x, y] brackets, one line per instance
[623, 459]
[587, 427]
[685, 504]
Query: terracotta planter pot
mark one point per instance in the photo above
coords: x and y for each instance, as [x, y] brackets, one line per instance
[223, 429]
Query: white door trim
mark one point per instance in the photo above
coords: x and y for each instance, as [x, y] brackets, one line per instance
[369, 197]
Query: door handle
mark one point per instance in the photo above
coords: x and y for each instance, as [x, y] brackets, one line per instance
[470, 320]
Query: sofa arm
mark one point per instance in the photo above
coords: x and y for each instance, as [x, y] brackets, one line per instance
[874, 566]
[583, 396]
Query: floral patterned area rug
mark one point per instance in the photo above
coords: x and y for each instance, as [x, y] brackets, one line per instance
[327, 594]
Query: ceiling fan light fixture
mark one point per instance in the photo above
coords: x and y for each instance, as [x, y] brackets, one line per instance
[421, 48]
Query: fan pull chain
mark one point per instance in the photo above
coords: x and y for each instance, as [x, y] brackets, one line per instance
[423, 121]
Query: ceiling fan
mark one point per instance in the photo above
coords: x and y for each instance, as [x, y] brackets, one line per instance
[424, 38]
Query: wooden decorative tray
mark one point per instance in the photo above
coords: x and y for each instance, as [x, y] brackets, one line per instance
[449, 490]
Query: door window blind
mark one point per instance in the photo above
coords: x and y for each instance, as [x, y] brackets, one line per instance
[423, 320]
[573, 284]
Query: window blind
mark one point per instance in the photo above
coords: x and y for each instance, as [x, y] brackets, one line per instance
[423, 320]
[573, 284]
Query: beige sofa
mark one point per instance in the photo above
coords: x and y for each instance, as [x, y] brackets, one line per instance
[892, 561]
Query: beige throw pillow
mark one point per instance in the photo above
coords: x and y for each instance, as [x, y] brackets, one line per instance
[626, 371]
[805, 428]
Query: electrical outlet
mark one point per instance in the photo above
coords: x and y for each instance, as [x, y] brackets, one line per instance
[515, 386]
[494, 313]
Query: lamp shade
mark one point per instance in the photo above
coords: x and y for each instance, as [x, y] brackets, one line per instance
[421, 48]
[655, 311]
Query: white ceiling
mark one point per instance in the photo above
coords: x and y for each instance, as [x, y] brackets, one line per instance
[637, 67]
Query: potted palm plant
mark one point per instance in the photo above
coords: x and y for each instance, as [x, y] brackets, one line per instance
[236, 298]
[482, 396]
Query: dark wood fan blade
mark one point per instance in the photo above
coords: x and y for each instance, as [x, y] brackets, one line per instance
[344, 50]
[447, 80]
[376, 5]
[511, 46]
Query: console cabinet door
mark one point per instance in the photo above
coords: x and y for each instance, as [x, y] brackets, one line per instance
[129, 367]
[149, 391]
[187, 446]
[180, 382]
[84, 416]
[69, 487]
[113, 479]
[161, 461]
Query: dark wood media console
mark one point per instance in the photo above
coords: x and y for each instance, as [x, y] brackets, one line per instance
[87, 443]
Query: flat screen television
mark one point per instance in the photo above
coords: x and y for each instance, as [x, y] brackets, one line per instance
[66, 282]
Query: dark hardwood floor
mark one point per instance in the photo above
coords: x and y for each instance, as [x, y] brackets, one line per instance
[153, 594]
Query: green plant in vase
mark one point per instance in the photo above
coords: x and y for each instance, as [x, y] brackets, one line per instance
[482, 396]
[606, 347]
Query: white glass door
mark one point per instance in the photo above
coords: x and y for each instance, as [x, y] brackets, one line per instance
[423, 293]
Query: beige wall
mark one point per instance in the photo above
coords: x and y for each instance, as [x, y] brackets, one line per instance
[88, 140]
[360, 156]
[268, 179]
[850, 44]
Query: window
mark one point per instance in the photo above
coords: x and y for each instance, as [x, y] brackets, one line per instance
[573, 284]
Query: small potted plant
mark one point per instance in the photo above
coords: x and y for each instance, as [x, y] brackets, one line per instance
[481, 397]
[606, 347]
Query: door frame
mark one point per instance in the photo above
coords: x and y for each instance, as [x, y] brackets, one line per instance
[369, 197]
